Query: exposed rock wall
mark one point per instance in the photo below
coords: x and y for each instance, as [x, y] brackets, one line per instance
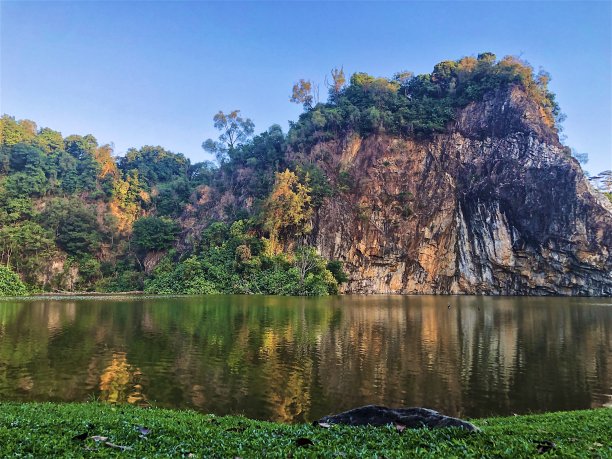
[495, 206]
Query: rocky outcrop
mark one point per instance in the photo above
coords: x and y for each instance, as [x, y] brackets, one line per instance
[495, 205]
[412, 418]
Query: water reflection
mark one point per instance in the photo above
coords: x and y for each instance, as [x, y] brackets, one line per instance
[119, 382]
[295, 359]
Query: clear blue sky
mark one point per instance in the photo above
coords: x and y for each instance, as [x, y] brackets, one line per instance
[137, 73]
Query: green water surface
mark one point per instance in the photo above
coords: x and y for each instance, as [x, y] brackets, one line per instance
[295, 359]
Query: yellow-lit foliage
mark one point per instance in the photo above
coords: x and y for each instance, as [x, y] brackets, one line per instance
[125, 204]
[115, 382]
[537, 88]
[287, 210]
[13, 132]
[374, 84]
[104, 157]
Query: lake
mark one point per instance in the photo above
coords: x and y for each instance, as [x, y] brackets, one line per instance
[295, 359]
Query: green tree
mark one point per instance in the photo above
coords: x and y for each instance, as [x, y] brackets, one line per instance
[155, 164]
[49, 140]
[78, 233]
[28, 248]
[13, 132]
[154, 233]
[80, 147]
[335, 267]
[10, 283]
[235, 130]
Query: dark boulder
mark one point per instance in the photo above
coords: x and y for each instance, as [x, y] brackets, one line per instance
[413, 418]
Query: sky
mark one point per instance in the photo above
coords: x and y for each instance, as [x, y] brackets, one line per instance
[155, 73]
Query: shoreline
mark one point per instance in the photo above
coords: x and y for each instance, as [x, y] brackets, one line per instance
[142, 293]
[103, 430]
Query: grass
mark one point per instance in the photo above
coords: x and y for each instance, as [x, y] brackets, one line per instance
[68, 430]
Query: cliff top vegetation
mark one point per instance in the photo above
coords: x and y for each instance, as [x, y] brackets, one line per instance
[409, 105]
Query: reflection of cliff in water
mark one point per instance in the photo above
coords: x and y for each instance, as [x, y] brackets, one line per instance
[294, 359]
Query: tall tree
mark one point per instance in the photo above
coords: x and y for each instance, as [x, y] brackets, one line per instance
[303, 93]
[287, 210]
[337, 83]
[235, 130]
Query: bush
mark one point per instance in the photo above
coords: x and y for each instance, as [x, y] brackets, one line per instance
[10, 283]
[187, 278]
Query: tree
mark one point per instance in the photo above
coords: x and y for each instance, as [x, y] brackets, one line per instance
[403, 78]
[603, 182]
[80, 146]
[13, 132]
[27, 248]
[335, 267]
[302, 93]
[154, 233]
[582, 158]
[77, 232]
[104, 157]
[338, 82]
[10, 283]
[49, 140]
[155, 164]
[287, 209]
[234, 131]
[306, 260]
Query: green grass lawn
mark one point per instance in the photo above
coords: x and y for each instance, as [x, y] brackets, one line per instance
[69, 430]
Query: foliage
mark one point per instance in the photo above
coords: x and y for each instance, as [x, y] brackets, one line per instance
[154, 165]
[10, 283]
[235, 130]
[603, 182]
[419, 106]
[77, 231]
[335, 267]
[232, 259]
[30, 429]
[67, 203]
[320, 187]
[187, 278]
[287, 210]
[154, 233]
[302, 93]
[338, 82]
[28, 249]
[123, 276]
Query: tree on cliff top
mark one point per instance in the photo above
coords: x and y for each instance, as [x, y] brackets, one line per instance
[302, 93]
[234, 131]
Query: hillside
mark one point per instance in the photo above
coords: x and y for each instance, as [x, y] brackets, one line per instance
[449, 182]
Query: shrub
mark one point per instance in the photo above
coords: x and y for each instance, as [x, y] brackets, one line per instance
[10, 283]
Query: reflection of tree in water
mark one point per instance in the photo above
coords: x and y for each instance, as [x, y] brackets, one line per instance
[119, 383]
[295, 359]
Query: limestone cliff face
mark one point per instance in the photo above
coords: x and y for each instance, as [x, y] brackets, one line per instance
[494, 205]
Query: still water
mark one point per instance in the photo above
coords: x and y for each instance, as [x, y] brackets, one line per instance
[296, 359]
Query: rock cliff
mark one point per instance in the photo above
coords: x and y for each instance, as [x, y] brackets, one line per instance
[495, 205]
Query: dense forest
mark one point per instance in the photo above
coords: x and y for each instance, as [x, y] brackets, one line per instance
[75, 217]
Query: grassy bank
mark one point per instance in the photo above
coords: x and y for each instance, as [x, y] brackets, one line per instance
[43, 430]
